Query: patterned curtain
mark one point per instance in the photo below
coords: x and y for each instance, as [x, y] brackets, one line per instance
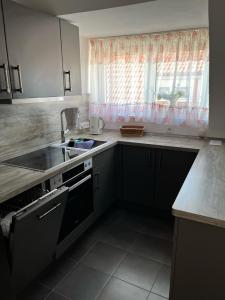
[158, 78]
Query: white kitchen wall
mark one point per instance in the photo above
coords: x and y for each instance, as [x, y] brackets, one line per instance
[217, 69]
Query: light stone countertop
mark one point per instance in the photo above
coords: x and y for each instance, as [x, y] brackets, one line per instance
[201, 198]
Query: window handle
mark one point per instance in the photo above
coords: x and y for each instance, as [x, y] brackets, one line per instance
[70, 84]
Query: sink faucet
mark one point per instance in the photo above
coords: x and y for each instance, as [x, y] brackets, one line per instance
[72, 117]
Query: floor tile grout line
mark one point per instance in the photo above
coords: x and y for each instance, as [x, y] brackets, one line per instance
[72, 269]
[107, 281]
[113, 245]
[78, 262]
[161, 266]
[110, 277]
[44, 285]
[117, 266]
[102, 288]
[50, 289]
[149, 258]
[159, 295]
[46, 296]
[148, 295]
[151, 235]
[131, 283]
[156, 279]
[93, 268]
[63, 295]
[122, 260]
[56, 292]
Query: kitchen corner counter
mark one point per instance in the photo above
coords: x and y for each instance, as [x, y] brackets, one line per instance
[201, 197]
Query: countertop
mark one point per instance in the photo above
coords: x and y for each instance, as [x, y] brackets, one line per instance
[200, 199]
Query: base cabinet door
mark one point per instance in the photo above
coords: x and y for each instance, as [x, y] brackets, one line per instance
[138, 166]
[34, 51]
[152, 177]
[172, 167]
[198, 265]
[5, 280]
[71, 58]
[104, 180]
[34, 236]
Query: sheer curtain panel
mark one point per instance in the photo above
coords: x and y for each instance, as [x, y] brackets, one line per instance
[156, 78]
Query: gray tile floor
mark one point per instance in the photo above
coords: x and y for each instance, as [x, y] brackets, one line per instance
[124, 256]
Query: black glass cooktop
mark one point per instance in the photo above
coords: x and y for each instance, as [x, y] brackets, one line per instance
[42, 159]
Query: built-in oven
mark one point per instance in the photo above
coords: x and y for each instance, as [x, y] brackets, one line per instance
[79, 203]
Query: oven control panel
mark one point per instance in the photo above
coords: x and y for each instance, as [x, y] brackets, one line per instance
[88, 164]
[59, 179]
[55, 182]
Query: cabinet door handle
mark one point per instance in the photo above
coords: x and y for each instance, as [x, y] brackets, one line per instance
[7, 89]
[97, 185]
[18, 69]
[70, 84]
[49, 211]
[160, 161]
[150, 158]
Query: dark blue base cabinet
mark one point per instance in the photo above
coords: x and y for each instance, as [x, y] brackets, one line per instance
[104, 180]
[198, 262]
[150, 178]
[5, 286]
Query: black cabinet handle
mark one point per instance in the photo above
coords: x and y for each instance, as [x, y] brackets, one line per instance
[97, 184]
[18, 69]
[69, 89]
[160, 161]
[150, 158]
[7, 89]
[49, 211]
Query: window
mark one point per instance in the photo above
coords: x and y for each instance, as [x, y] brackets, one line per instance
[157, 78]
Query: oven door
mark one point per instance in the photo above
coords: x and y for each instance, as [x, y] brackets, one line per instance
[79, 204]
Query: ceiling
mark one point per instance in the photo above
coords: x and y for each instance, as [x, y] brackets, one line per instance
[59, 7]
[160, 15]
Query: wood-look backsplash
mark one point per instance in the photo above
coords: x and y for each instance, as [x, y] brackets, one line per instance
[27, 125]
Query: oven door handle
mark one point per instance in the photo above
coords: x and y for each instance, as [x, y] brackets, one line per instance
[79, 183]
